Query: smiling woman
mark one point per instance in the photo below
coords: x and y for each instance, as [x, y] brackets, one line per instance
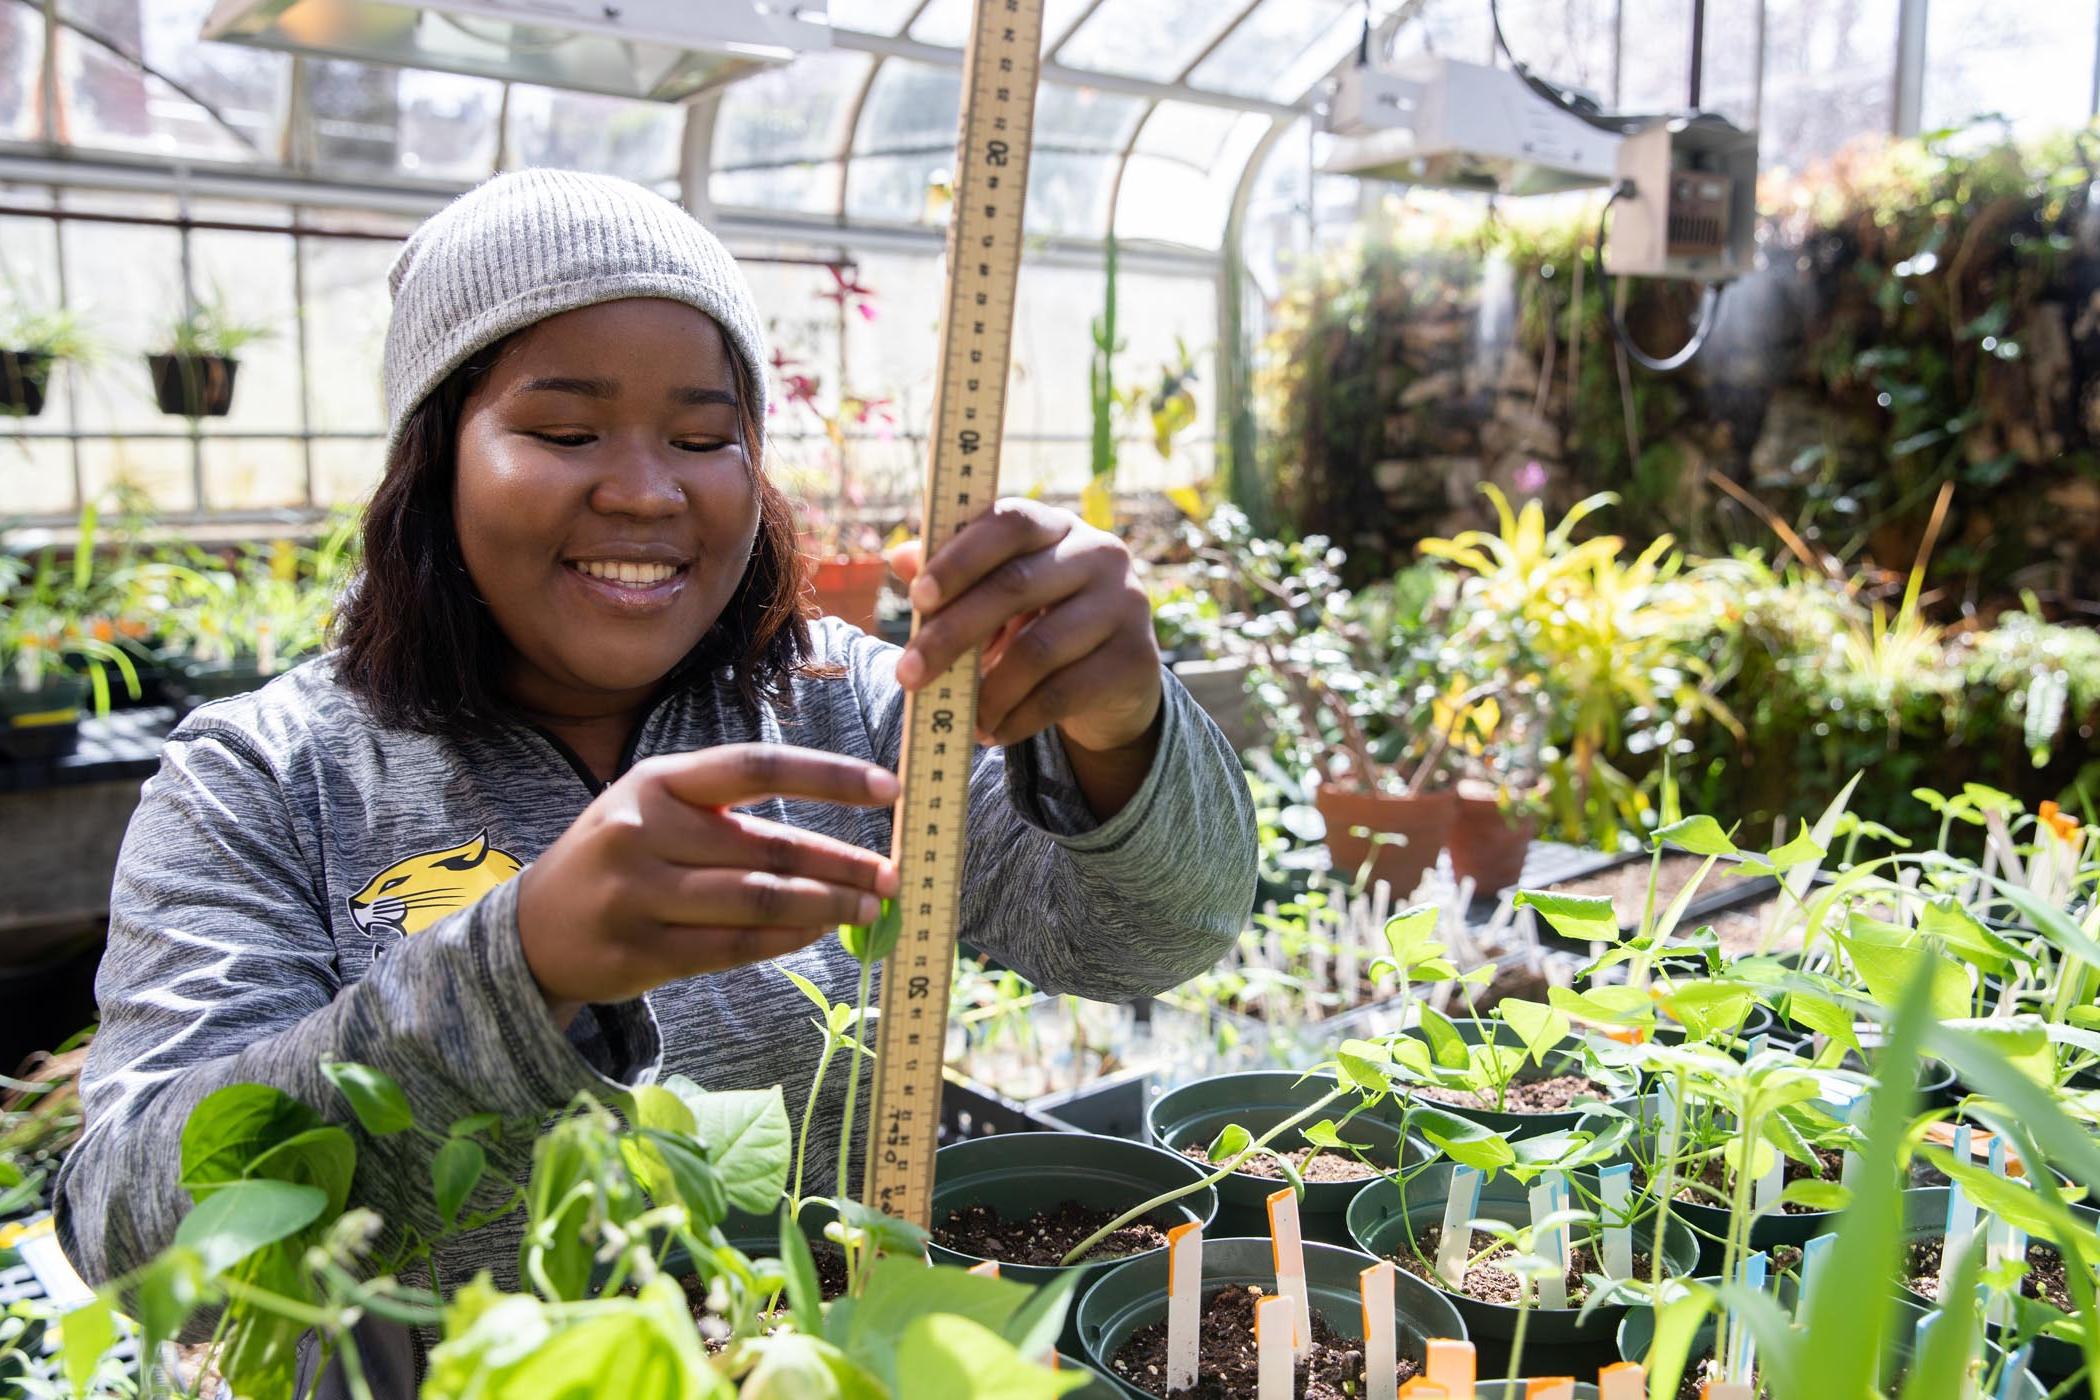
[582, 781]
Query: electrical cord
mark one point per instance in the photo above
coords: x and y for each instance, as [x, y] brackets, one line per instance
[1567, 99]
[1709, 306]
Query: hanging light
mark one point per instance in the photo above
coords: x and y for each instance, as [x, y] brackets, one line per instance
[662, 49]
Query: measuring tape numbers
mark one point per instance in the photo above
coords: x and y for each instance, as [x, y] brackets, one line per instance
[1000, 67]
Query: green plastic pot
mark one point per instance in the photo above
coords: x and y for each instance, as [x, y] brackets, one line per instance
[196, 683]
[1925, 1218]
[1514, 1390]
[1376, 1226]
[1097, 1387]
[43, 723]
[1133, 1295]
[1517, 1126]
[1193, 1115]
[1637, 1334]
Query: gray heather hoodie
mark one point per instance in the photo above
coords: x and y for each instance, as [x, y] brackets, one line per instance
[301, 884]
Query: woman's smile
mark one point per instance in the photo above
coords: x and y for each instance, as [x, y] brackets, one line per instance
[629, 584]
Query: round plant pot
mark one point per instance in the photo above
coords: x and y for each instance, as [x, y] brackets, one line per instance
[1097, 1387]
[24, 374]
[1194, 1115]
[1133, 1295]
[193, 386]
[1637, 1335]
[847, 586]
[44, 723]
[1925, 1218]
[196, 683]
[1516, 1126]
[1422, 822]
[1487, 843]
[1515, 1390]
[1377, 1226]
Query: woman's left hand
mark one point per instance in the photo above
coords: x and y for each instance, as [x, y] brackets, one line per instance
[1066, 627]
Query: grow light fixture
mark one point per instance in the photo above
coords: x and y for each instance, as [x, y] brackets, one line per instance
[667, 50]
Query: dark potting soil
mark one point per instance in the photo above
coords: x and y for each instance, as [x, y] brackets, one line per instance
[1626, 885]
[1312, 1163]
[1491, 1283]
[1044, 1237]
[1554, 1094]
[831, 1284]
[1227, 1364]
[1700, 1370]
[1714, 1176]
[2045, 1273]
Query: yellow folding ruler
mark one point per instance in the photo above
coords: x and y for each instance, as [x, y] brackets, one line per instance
[962, 480]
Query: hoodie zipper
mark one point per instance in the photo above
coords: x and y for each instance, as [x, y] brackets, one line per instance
[628, 754]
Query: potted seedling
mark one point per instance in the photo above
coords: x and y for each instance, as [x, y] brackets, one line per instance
[240, 622]
[50, 668]
[194, 376]
[32, 344]
[1521, 1070]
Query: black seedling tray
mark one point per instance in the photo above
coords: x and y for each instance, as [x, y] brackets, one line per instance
[1714, 897]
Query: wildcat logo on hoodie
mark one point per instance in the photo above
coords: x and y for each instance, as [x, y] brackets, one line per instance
[415, 892]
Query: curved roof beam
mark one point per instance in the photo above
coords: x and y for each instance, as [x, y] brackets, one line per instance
[850, 127]
[1181, 79]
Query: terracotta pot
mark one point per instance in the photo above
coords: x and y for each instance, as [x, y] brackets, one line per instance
[1423, 822]
[848, 585]
[1488, 843]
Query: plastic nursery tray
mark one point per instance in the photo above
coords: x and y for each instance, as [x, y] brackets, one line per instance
[972, 1111]
[1712, 900]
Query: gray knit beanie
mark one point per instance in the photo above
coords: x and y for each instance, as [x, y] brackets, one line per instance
[535, 243]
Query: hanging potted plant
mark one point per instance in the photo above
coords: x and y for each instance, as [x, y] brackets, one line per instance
[194, 376]
[32, 344]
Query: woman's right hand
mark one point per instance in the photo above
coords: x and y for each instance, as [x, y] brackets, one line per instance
[659, 879]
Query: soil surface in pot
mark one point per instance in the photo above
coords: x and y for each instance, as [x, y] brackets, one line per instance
[1740, 929]
[1699, 1370]
[2045, 1274]
[1714, 1178]
[1626, 885]
[1045, 1237]
[1312, 1163]
[831, 1284]
[1553, 1094]
[1491, 1283]
[1227, 1364]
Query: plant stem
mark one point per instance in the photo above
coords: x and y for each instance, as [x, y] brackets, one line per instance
[860, 1021]
[1516, 1343]
[809, 1113]
[1138, 1212]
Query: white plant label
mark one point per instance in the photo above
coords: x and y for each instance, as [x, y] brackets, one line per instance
[1726, 1390]
[988, 1268]
[1965, 1383]
[1672, 1121]
[1450, 1364]
[1616, 1186]
[1550, 1245]
[1455, 1241]
[1381, 1338]
[1550, 1388]
[1275, 1364]
[1741, 1346]
[1287, 1245]
[1815, 1259]
[1848, 1163]
[2009, 1378]
[1184, 1303]
[1622, 1380]
[1955, 1239]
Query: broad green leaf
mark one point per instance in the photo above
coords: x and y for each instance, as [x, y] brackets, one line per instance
[1702, 836]
[1677, 1321]
[454, 1172]
[1803, 849]
[1761, 1160]
[2015, 1202]
[1707, 1009]
[1461, 1139]
[886, 1233]
[1614, 1003]
[475, 1124]
[1410, 935]
[634, 1348]
[1230, 1143]
[954, 1358]
[1946, 920]
[656, 1106]
[1888, 957]
[791, 1367]
[872, 943]
[1446, 1046]
[325, 1157]
[1034, 1328]
[901, 1290]
[378, 1102]
[810, 990]
[1540, 1028]
[88, 1331]
[1815, 1194]
[169, 1289]
[1586, 918]
[1325, 1134]
[748, 1139]
[243, 1216]
[1358, 1070]
[676, 1170]
[231, 1127]
[1823, 1016]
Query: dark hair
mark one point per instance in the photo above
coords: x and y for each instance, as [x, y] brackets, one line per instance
[419, 646]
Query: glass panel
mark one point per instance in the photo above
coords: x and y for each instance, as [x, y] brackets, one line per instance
[126, 286]
[1829, 76]
[345, 332]
[1731, 60]
[1276, 228]
[1568, 41]
[253, 473]
[1655, 69]
[906, 138]
[345, 472]
[776, 135]
[1281, 49]
[948, 21]
[21, 56]
[1147, 38]
[156, 468]
[382, 121]
[36, 477]
[1068, 194]
[1046, 391]
[1158, 314]
[251, 274]
[1454, 28]
[114, 104]
[1080, 119]
[1179, 185]
[2032, 63]
[874, 16]
[579, 131]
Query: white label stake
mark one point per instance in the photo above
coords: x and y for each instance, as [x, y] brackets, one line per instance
[1550, 1388]
[1455, 1241]
[1623, 1380]
[1381, 1340]
[1550, 1245]
[1617, 1189]
[1450, 1364]
[1815, 1259]
[1287, 1245]
[1955, 1239]
[1275, 1375]
[1184, 1303]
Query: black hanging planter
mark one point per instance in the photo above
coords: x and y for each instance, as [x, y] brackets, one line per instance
[23, 376]
[194, 386]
